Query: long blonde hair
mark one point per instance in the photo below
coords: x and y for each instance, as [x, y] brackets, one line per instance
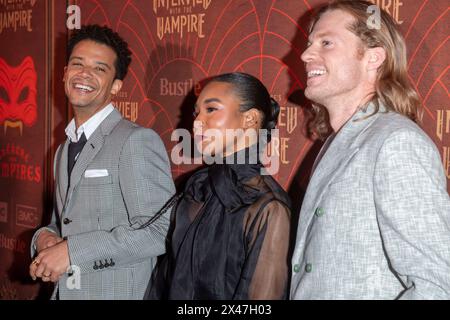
[393, 88]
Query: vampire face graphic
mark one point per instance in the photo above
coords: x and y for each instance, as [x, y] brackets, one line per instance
[18, 95]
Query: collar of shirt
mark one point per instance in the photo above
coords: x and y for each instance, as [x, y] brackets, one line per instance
[89, 126]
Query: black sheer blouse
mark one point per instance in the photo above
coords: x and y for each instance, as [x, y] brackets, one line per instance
[230, 237]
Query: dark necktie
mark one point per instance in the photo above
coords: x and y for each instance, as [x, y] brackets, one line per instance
[74, 150]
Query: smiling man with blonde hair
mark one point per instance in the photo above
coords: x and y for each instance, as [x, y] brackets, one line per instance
[375, 220]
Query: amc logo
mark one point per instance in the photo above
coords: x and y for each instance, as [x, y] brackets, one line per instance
[26, 216]
[3, 212]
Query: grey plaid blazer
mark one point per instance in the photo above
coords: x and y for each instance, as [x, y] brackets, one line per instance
[375, 220]
[100, 216]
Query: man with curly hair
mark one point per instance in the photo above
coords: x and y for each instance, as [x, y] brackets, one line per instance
[111, 177]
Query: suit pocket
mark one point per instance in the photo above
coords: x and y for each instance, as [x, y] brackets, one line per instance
[97, 181]
[342, 182]
[349, 179]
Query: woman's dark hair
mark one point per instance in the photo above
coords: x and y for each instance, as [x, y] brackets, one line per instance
[106, 36]
[253, 94]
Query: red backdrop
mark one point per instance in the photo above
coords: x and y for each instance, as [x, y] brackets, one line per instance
[175, 45]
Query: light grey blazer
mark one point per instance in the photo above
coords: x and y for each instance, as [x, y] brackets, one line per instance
[100, 216]
[375, 220]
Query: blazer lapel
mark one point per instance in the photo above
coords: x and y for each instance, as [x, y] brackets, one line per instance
[340, 151]
[92, 147]
[332, 163]
[62, 176]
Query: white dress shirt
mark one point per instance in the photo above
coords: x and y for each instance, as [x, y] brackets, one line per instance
[89, 126]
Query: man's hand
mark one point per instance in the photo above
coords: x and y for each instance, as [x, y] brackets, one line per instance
[51, 263]
[46, 239]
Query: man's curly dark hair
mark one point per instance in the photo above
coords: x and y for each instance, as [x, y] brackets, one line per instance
[106, 36]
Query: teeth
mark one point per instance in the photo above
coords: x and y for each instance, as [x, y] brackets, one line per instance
[13, 124]
[313, 73]
[83, 87]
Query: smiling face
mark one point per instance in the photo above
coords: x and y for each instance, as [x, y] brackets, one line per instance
[216, 110]
[89, 76]
[333, 60]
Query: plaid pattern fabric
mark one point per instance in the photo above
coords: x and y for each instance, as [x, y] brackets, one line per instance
[115, 257]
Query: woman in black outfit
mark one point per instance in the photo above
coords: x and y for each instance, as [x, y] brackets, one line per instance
[231, 224]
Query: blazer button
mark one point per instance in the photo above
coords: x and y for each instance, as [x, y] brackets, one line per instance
[95, 267]
[308, 267]
[296, 268]
[67, 221]
[319, 212]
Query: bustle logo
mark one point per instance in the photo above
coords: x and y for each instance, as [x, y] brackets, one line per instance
[18, 105]
[178, 88]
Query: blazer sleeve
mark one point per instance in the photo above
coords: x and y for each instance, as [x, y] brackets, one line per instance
[53, 226]
[146, 184]
[413, 213]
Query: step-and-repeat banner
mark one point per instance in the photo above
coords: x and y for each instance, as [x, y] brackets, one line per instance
[175, 44]
[23, 101]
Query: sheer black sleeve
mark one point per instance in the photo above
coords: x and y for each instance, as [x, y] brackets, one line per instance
[266, 268]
